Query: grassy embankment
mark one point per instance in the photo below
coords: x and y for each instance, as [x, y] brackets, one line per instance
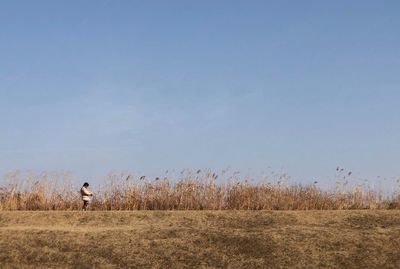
[200, 239]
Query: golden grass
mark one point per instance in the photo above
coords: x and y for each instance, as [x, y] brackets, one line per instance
[200, 239]
[191, 191]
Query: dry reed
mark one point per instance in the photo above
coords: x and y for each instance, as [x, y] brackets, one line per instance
[191, 191]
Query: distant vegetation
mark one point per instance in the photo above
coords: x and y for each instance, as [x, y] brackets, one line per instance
[200, 190]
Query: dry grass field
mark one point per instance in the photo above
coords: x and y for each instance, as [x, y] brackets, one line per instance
[197, 220]
[201, 190]
[200, 239]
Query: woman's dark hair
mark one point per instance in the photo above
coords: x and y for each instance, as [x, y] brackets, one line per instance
[85, 184]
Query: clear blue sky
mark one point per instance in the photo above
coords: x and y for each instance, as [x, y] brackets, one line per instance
[94, 86]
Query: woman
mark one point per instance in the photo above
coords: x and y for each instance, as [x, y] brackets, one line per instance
[85, 193]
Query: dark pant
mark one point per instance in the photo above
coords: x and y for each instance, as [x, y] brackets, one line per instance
[85, 205]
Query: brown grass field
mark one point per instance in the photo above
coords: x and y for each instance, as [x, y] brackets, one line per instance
[200, 239]
[202, 190]
[197, 221]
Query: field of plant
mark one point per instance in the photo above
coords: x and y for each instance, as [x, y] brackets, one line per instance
[200, 239]
[196, 220]
[200, 190]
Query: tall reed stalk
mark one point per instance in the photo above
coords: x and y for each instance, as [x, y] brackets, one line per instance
[190, 191]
